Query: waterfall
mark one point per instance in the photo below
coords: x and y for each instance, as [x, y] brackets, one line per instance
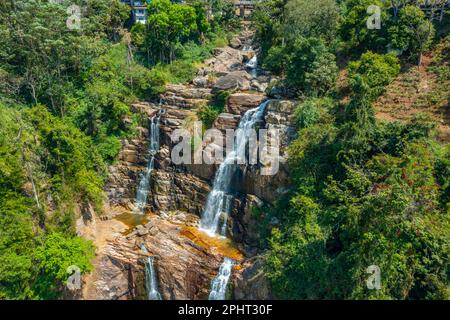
[253, 66]
[150, 278]
[219, 201]
[144, 184]
[219, 284]
[253, 63]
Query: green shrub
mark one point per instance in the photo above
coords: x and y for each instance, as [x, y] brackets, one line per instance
[57, 253]
[154, 83]
[220, 99]
[311, 68]
[411, 31]
[179, 71]
[313, 111]
[353, 27]
[208, 115]
[376, 70]
[276, 59]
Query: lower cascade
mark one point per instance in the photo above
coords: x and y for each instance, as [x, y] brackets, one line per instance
[219, 284]
[144, 184]
[218, 203]
[150, 278]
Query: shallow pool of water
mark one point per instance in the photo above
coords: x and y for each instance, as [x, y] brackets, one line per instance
[131, 220]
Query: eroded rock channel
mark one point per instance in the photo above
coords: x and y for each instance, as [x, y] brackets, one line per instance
[186, 260]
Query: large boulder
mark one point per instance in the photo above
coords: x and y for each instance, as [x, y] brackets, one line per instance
[248, 55]
[233, 81]
[226, 60]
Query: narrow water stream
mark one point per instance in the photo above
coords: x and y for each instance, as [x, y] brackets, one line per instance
[150, 278]
[144, 184]
[219, 284]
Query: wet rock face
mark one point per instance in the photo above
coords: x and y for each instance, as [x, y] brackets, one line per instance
[280, 115]
[227, 121]
[244, 225]
[179, 191]
[118, 279]
[121, 184]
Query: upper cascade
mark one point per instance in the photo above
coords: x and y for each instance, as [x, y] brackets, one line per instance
[218, 203]
[144, 184]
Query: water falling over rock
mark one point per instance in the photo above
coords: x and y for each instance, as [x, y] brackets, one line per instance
[150, 278]
[253, 63]
[144, 184]
[218, 203]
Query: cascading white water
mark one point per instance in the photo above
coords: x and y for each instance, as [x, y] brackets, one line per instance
[144, 184]
[253, 66]
[253, 63]
[219, 284]
[150, 278]
[218, 203]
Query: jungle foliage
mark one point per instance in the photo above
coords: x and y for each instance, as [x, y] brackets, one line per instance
[364, 192]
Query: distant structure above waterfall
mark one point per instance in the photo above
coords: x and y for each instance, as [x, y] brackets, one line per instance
[138, 10]
[244, 8]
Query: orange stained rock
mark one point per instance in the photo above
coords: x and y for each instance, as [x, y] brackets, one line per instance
[223, 246]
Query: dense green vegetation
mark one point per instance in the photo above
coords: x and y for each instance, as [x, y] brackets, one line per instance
[64, 106]
[174, 29]
[364, 192]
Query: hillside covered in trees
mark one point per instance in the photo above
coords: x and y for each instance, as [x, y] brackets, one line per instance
[366, 192]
